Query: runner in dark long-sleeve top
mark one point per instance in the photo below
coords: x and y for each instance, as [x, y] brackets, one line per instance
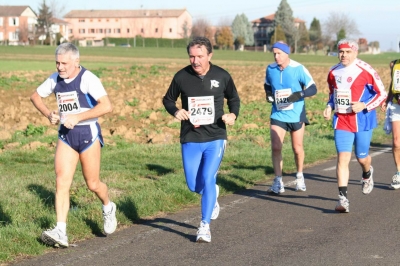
[202, 88]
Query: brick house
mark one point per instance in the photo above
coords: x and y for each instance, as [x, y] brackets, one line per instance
[17, 24]
[95, 25]
[264, 27]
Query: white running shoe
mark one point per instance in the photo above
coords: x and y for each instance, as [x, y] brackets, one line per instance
[368, 184]
[204, 233]
[54, 237]
[343, 204]
[216, 209]
[277, 187]
[300, 184]
[110, 221]
[395, 182]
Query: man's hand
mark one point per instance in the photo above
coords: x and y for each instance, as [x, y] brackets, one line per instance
[71, 120]
[295, 96]
[270, 97]
[229, 119]
[182, 114]
[327, 112]
[358, 107]
[54, 118]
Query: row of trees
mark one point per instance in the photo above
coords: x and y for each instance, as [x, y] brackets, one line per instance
[240, 31]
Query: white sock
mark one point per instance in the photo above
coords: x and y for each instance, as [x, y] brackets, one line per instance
[107, 208]
[62, 227]
[299, 175]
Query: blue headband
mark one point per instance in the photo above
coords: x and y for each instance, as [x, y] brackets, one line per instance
[282, 46]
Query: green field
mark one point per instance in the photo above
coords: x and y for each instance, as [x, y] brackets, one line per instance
[15, 58]
[145, 180]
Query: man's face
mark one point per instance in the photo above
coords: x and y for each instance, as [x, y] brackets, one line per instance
[199, 59]
[281, 58]
[67, 67]
[347, 56]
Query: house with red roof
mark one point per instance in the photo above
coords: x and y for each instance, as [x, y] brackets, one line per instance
[264, 28]
[17, 25]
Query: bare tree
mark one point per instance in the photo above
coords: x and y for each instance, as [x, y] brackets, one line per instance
[200, 27]
[337, 21]
[186, 31]
[225, 22]
[203, 28]
[57, 8]
[23, 34]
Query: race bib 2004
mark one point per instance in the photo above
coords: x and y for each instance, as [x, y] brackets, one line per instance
[68, 103]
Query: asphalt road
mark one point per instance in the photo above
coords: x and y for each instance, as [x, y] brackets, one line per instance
[256, 228]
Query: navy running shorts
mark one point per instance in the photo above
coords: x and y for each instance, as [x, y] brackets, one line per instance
[80, 138]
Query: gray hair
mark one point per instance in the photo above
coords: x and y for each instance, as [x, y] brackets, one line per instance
[352, 43]
[67, 47]
[199, 41]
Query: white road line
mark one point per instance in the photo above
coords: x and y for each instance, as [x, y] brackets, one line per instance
[290, 183]
[354, 160]
[381, 151]
[330, 168]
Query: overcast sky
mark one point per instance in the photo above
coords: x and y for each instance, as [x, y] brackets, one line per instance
[376, 20]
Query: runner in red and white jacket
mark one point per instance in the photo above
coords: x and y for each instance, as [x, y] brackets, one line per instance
[355, 90]
[364, 86]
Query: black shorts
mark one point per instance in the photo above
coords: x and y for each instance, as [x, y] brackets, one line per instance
[287, 126]
[80, 138]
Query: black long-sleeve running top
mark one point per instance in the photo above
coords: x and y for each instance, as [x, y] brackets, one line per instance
[218, 83]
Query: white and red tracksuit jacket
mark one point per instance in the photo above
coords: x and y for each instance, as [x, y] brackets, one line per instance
[365, 85]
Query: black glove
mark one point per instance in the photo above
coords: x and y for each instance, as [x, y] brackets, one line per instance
[270, 97]
[295, 96]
